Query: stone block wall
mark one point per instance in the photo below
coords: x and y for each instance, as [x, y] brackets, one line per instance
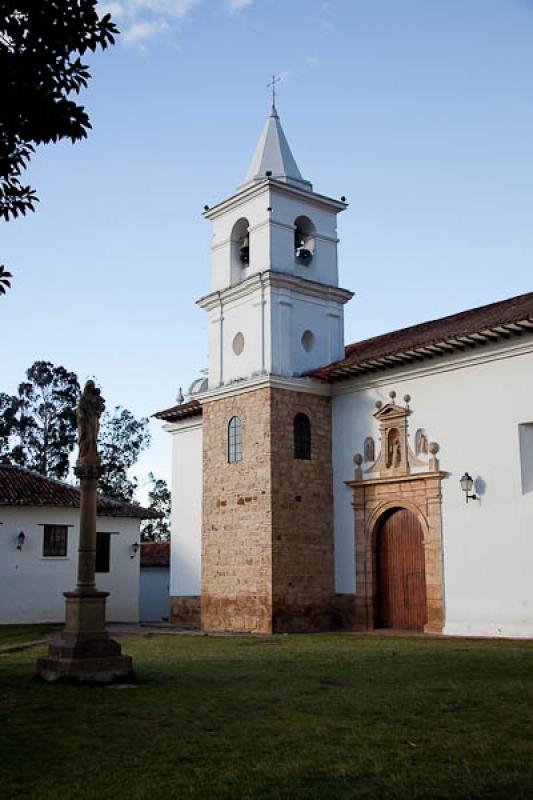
[237, 517]
[302, 516]
[267, 541]
[185, 611]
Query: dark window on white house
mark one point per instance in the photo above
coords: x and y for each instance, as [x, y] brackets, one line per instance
[234, 440]
[302, 436]
[55, 541]
[103, 541]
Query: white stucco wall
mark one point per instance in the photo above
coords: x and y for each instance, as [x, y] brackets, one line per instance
[272, 314]
[186, 513]
[154, 601]
[473, 406]
[32, 586]
[286, 209]
[254, 300]
[271, 234]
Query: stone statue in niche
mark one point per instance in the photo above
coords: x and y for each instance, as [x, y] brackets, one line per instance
[393, 455]
[394, 450]
[421, 442]
[397, 453]
[370, 449]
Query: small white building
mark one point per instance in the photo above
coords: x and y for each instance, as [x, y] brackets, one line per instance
[39, 532]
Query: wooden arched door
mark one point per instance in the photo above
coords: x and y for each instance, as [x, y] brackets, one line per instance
[401, 574]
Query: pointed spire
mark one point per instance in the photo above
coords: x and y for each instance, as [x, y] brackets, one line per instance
[274, 155]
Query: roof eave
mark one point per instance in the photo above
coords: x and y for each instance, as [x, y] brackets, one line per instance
[343, 370]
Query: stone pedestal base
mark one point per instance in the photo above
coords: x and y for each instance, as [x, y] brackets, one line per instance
[84, 653]
[117, 669]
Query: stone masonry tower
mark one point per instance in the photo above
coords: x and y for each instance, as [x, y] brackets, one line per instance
[275, 312]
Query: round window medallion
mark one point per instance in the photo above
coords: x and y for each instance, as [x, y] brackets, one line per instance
[308, 341]
[238, 344]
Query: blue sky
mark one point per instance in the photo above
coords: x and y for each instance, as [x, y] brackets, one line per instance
[419, 111]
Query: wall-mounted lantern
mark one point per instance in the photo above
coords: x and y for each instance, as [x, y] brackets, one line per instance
[21, 538]
[134, 548]
[467, 483]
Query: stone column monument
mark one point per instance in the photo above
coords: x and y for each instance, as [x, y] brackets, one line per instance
[84, 653]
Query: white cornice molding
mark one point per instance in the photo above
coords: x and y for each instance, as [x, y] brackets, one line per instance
[278, 280]
[310, 198]
[303, 385]
[283, 280]
[183, 425]
[441, 364]
[236, 200]
[269, 184]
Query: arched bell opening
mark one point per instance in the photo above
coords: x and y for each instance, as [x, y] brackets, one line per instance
[240, 250]
[304, 240]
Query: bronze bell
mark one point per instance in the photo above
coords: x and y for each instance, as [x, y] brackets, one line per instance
[304, 254]
[244, 250]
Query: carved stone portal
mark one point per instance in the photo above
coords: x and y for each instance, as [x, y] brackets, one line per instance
[395, 456]
[395, 485]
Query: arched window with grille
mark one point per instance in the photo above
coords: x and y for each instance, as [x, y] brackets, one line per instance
[234, 440]
[302, 436]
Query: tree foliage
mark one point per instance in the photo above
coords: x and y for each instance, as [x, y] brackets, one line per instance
[41, 42]
[5, 279]
[122, 439]
[8, 420]
[157, 530]
[38, 425]
[38, 430]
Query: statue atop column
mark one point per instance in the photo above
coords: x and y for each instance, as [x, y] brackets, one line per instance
[90, 408]
[84, 652]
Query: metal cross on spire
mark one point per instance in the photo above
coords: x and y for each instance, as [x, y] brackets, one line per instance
[275, 79]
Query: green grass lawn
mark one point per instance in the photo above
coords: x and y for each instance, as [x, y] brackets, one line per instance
[332, 716]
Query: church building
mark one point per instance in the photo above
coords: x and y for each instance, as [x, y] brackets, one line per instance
[320, 486]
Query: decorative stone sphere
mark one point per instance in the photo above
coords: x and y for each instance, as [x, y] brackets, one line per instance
[378, 404]
[407, 398]
[358, 459]
[392, 394]
[434, 448]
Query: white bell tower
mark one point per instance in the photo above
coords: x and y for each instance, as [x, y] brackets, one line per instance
[275, 307]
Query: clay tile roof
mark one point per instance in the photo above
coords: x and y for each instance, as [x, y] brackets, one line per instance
[181, 411]
[22, 487]
[155, 554]
[468, 329]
